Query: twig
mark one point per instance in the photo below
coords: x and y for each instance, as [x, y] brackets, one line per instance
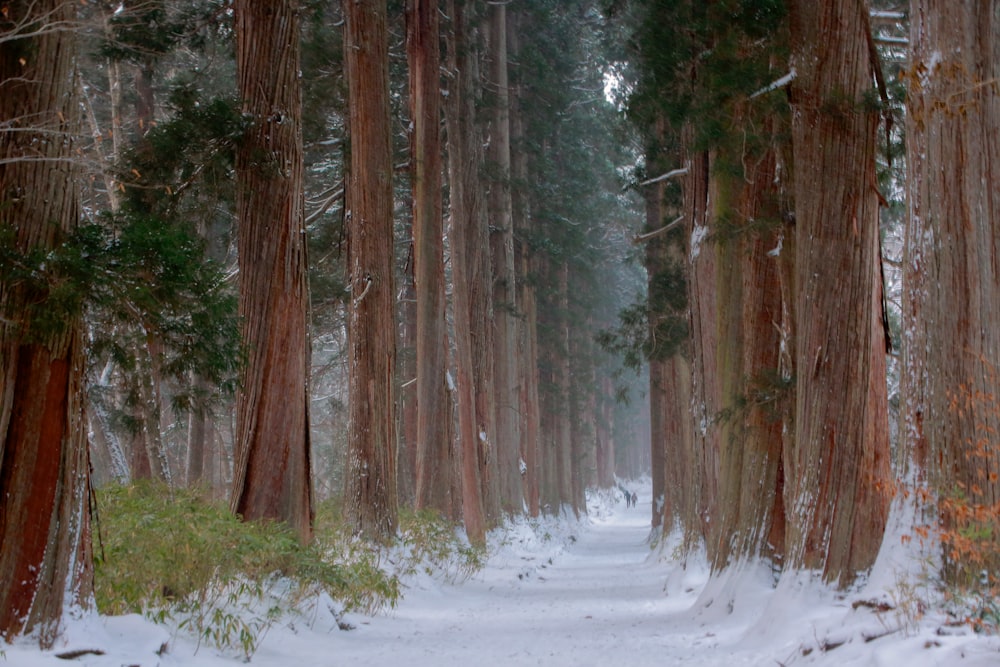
[642, 238]
[670, 174]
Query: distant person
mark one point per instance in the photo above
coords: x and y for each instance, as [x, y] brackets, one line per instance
[635, 499]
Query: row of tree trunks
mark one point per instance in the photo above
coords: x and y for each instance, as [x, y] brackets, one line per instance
[771, 469]
[45, 542]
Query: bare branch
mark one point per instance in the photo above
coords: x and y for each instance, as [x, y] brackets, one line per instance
[325, 205]
[642, 238]
[663, 177]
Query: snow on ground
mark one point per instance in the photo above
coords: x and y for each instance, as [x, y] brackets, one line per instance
[575, 593]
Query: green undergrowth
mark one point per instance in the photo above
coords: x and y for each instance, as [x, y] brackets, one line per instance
[188, 563]
[431, 544]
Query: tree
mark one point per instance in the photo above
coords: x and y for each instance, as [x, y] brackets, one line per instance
[45, 551]
[371, 469]
[272, 476]
[470, 276]
[433, 434]
[837, 469]
[506, 396]
[529, 465]
[951, 278]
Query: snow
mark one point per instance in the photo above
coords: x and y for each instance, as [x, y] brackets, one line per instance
[568, 592]
[698, 235]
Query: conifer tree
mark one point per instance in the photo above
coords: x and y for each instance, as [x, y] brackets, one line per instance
[371, 500]
[951, 348]
[45, 550]
[837, 469]
[272, 476]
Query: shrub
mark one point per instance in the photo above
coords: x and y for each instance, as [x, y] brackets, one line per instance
[173, 556]
[431, 542]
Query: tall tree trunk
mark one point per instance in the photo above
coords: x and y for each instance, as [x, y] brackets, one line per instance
[406, 364]
[529, 463]
[45, 558]
[433, 465]
[531, 457]
[152, 459]
[750, 520]
[563, 386]
[605, 441]
[671, 434]
[371, 459]
[272, 470]
[200, 432]
[837, 469]
[951, 275]
[659, 386]
[470, 276]
[504, 278]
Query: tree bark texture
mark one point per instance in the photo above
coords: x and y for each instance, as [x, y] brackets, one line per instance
[45, 542]
[504, 276]
[659, 385]
[272, 470]
[715, 297]
[951, 276]
[563, 386]
[433, 465]
[750, 521]
[471, 278]
[837, 470]
[406, 365]
[530, 461]
[371, 470]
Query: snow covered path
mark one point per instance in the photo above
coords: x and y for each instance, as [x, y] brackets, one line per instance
[567, 594]
[601, 601]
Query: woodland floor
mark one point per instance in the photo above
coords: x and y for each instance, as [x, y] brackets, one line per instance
[578, 593]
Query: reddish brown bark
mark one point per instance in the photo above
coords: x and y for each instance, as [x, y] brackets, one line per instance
[272, 470]
[951, 337]
[530, 462]
[837, 470]
[433, 436]
[661, 399]
[501, 227]
[45, 559]
[471, 283]
[371, 462]
[751, 510]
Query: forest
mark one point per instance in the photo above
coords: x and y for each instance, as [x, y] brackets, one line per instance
[320, 278]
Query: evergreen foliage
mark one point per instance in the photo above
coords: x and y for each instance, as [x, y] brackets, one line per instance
[149, 30]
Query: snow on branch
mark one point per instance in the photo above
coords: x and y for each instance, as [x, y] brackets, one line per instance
[780, 83]
[887, 15]
[663, 177]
